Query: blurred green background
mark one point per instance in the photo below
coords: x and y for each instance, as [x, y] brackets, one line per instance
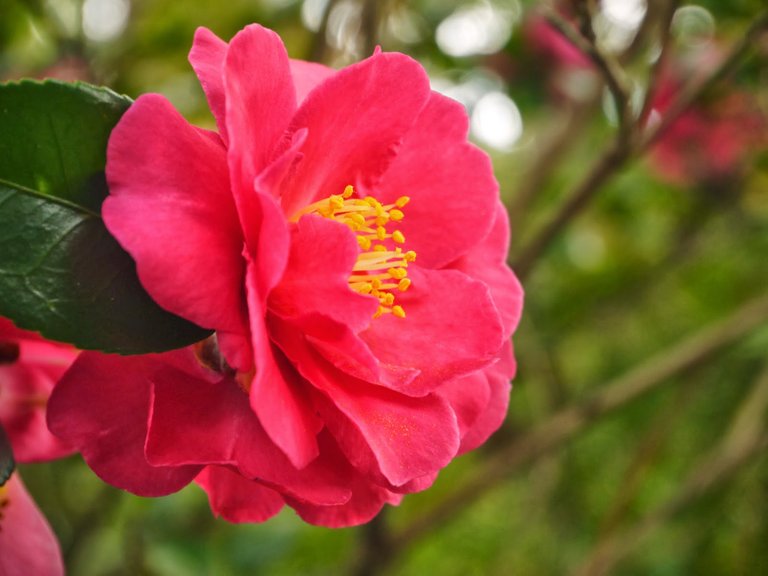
[637, 431]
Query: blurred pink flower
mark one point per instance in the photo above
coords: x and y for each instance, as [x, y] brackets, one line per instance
[29, 368]
[713, 139]
[28, 547]
[348, 246]
[546, 40]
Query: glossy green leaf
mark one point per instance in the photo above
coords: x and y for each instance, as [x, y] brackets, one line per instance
[61, 272]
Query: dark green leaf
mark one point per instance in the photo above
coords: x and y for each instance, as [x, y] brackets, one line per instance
[61, 272]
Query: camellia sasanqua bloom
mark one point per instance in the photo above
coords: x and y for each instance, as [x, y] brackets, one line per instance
[29, 369]
[347, 244]
[712, 141]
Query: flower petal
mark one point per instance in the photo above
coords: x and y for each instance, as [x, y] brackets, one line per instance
[237, 499]
[198, 421]
[207, 57]
[169, 203]
[406, 437]
[101, 406]
[468, 397]
[25, 385]
[356, 119]
[307, 75]
[491, 418]
[316, 279]
[452, 328]
[367, 500]
[28, 546]
[487, 262]
[449, 180]
[276, 394]
[260, 101]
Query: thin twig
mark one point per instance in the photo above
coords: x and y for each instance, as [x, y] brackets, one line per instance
[608, 68]
[573, 420]
[318, 51]
[575, 201]
[658, 67]
[745, 439]
[619, 152]
[695, 89]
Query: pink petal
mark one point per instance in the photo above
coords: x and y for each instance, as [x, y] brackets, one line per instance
[380, 431]
[203, 422]
[277, 396]
[468, 397]
[307, 75]
[28, 546]
[347, 352]
[492, 417]
[450, 182]
[487, 262]
[207, 58]
[260, 101]
[451, 328]
[316, 279]
[170, 203]
[356, 119]
[101, 407]
[237, 499]
[25, 386]
[366, 502]
[408, 437]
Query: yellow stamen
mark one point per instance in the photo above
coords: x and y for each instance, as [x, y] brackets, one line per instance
[380, 267]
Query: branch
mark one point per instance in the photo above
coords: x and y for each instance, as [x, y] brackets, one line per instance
[608, 68]
[694, 90]
[319, 49]
[745, 439]
[569, 422]
[620, 152]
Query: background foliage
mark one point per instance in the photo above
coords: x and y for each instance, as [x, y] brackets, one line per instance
[636, 437]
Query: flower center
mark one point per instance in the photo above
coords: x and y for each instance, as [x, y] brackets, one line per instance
[4, 502]
[381, 267]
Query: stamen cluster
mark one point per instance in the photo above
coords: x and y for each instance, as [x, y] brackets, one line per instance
[380, 268]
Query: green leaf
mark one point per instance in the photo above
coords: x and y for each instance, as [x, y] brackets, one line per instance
[61, 272]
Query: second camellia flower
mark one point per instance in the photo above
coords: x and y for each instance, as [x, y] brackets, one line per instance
[347, 245]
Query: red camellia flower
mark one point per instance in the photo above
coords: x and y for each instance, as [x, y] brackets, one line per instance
[347, 245]
[711, 142]
[29, 368]
[28, 547]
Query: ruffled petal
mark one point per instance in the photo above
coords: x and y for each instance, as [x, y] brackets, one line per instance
[381, 431]
[307, 75]
[25, 386]
[487, 262]
[491, 418]
[316, 279]
[170, 203]
[101, 407]
[198, 421]
[277, 393]
[356, 119]
[450, 182]
[237, 499]
[451, 328]
[207, 57]
[366, 502]
[28, 546]
[260, 101]
[468, 397]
